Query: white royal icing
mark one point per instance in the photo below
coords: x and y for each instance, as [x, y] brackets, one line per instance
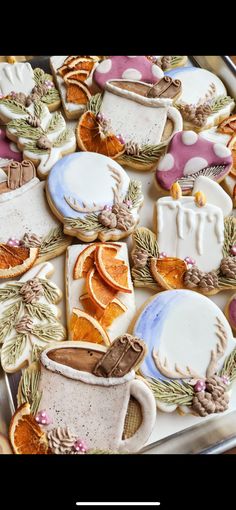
[166, 163]
[193, 231]
[76, 288]
[189, 137]
[221, 151]
[214, 194]
[194, 165]
[18, 77]
[131, 74]
[105, 66]
[157, 71]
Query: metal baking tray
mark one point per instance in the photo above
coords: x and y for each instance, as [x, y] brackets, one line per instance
[211, 436]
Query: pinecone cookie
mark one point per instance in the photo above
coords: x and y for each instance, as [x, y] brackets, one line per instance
[205, 282]
[192, 277]
[140, 257]
[212, 397]
[228, 267]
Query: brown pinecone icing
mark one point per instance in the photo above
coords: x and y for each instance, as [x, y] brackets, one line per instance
[31, 290]
[194, 277]
[140, 257]
[213, 399]
[228, 267]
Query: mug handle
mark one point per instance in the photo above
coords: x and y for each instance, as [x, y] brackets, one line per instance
[176, 117]
[141, 392]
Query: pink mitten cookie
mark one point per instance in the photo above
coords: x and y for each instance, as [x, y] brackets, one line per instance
[128, 68]
[190, 156]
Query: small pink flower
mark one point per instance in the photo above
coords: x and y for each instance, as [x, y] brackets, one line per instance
[121, 138]
[233, 250]
[225, 379]
[189, 261]
[100, 117]
[200, 386]
[49, 84]
[43, 418]
[107, 208]
[162, 255]
[80, 446]
[13, 241]
[129, 203]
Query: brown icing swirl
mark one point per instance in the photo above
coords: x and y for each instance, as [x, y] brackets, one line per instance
[124, 354]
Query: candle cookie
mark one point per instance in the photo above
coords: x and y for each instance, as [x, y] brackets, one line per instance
[204, 101]
[190, 368]
[93, 197]
[24, 85]
[189, 156]
[99, 291]
[194, 245]
[29, 317]
[131, 121]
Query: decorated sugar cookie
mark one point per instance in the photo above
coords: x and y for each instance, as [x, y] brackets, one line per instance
[99, 293]
[94, 198]
[21, 83]
[29, 317]
[191, 352]
[204, 101]
[73, 76]
[27, 225]
[168, 62]
[195, 243]
[230, 311]
[131, 122]
[128, 68]
[189, 156]
[8, 150]
[86, 394]
[43, 137]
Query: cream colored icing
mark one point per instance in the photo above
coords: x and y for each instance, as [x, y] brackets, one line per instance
[214, 193]
[18, 77]
[193, 231]
[75, 289]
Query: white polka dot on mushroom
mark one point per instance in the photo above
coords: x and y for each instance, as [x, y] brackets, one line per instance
[131, 56]
[194, 165]
[157, 71]
[166, 163]
[189, 137]
[105, 66]
[132, 74]
[221, 150]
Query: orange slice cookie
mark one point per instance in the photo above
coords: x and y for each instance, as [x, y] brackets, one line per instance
[15, 261]
[92, 137]
[105, 317]
[77, 92]
[25, 434]
[85, 260]
[85, 327]
[78, 75]
[168, 272]
[113, 271]
[99, 291]
[82, 63]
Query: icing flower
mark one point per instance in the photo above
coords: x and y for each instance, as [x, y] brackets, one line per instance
[107, 208]
[199, 386]
[225, 379]
[233, 250]
[100, 117]
[13, 241]
[80, 446]
[43, 418]
[189, 261]
[162, 255]
[129, 203]
[49, 84]
[121, 139]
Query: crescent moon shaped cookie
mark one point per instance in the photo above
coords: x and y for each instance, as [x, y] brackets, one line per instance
[93, 197]
[188, 340]
[189, 156]
[197, 250]
[204, 101]
[29, 317]
[127, 68]
[131, 121]
[23, 84]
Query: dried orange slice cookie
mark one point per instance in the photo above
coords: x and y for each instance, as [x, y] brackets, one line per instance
[169, 272]
[84, 327]
[94, 135]
[26, 436]
[15, 261]
[114, 271]
[77, 92]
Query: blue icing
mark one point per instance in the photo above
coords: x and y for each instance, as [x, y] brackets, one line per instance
[58, 189]
[177, 70]
[150, 325]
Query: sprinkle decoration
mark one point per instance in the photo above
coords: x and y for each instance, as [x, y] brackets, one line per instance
[162, 255]
[121, 139]
[189, 261]
[233, 250]
[80, 446]
[199, 386]
[225, 379]
[129, 203]
[13, 241]
[49, 84]
[43, 418]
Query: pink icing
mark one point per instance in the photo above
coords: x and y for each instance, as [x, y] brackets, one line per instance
[5, 148]
[179, 154]
[232, 312]
[118, 67]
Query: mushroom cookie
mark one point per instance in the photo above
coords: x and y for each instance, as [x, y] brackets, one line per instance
[190, 362]
[189, 156]
[131, 121]
[204, 101]
[24, 85]
[29, 317]
[127, 68]
[8, 150]
[94, 197]
[194, 245]
[43, 137]
[29, 233]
